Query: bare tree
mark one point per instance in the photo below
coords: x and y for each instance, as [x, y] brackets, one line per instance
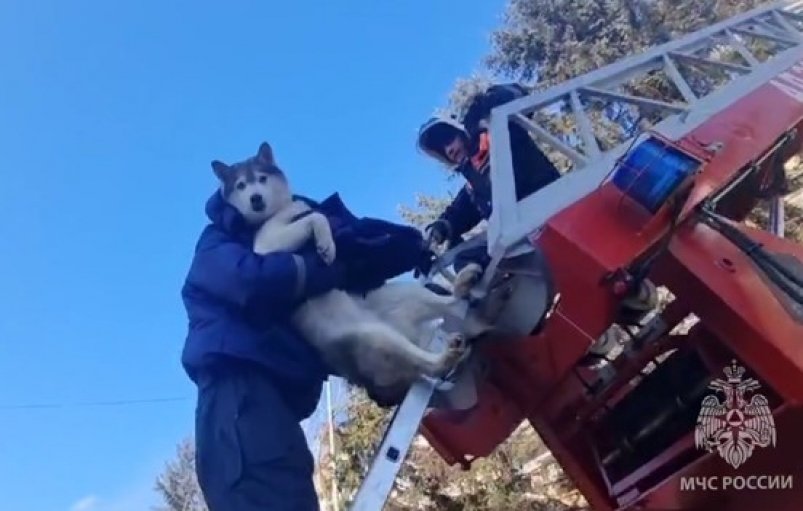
[178, 484]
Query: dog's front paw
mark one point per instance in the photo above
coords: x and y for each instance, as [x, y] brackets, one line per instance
[455, 348]
[456, 343]
[326, 249]
[324, 242]
[466, 279]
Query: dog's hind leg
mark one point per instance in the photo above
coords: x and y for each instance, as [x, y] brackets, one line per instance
[407, 305]
[387, 355]
[411, 299]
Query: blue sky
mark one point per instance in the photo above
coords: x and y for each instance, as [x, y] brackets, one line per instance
[110, 113]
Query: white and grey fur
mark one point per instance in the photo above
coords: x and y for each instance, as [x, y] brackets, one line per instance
[374, 340]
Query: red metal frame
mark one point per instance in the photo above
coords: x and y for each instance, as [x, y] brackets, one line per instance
[740, 316]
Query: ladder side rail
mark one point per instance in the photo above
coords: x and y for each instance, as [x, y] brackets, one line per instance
[378, 483]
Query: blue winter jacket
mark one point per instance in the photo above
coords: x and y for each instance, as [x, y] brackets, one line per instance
[239, 303]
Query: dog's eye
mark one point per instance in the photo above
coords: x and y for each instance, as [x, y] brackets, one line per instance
[263, 179]
[241, 186]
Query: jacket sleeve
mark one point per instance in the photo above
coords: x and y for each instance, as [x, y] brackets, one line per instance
[461, 215]
[231, 272]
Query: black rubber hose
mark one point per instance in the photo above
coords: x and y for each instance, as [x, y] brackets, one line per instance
[752, 248]
[776, 272]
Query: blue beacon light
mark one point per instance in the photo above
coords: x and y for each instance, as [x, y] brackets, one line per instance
[652, 171]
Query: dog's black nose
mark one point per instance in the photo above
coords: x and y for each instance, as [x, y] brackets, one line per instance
[257, 202]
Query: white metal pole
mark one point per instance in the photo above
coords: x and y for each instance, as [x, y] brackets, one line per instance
[330, 417]
[777, 216]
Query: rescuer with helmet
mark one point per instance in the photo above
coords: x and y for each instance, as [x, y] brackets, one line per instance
[464, 146]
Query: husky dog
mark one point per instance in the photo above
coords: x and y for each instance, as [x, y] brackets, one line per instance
[371, 340]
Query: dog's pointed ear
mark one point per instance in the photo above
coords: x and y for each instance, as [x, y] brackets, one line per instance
[221, 170]
[265, 154]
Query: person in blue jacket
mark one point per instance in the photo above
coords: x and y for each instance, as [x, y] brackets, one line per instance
[465, 146]
[257, 379]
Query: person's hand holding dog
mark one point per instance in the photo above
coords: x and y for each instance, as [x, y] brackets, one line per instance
[436, 233]
[427, 259]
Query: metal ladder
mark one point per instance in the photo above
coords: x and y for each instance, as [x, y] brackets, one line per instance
[512, 222]
[403, 428]
[399, 436]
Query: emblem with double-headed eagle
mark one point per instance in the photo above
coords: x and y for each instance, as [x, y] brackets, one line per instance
[735, 426]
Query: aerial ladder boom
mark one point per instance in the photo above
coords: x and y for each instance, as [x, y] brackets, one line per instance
[663, 203]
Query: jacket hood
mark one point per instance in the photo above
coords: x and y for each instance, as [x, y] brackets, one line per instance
[226, 216]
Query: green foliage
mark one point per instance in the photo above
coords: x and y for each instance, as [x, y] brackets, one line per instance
[550, 41]
[463, 92]
[425, 211]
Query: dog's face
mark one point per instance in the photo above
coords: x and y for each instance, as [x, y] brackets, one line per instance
[256, 187]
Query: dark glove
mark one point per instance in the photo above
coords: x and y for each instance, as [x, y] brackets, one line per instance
[347, 243]
[437, 232]
[425, 263]
[356, 279]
